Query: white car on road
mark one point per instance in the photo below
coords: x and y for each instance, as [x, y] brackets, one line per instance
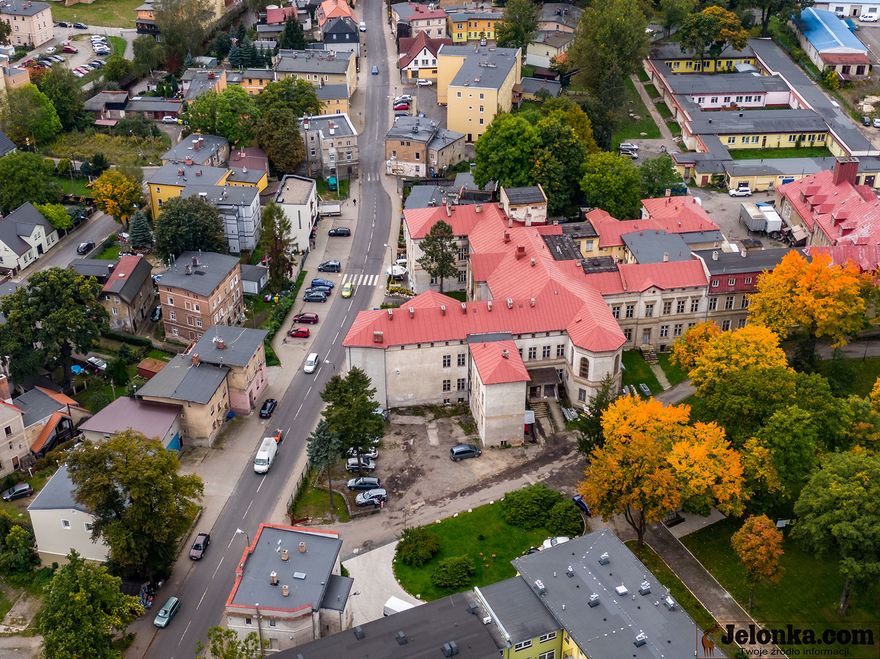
[868, 18]
[742, 191]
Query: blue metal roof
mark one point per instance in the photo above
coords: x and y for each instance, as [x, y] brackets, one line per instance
[826, 32]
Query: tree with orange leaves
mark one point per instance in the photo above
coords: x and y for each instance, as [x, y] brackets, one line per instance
[752, 346]
[758, 543]
[687, 348]
[653, 462]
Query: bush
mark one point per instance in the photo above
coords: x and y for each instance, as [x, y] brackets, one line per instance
[453, 573]
[565, 519]
[127, 338]
[417, 546]
[527, 508]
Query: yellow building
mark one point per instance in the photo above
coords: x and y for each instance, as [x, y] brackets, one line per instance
[244, 177]
[318, 67]
[254, 81]
[475, 85]
[464, 26]
[168, 181]
[334, 99]
[681, 62]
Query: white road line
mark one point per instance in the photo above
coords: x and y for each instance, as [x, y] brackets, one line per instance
[218, 565]
[310, 389]
[298, 411]
[247, 510]
[201, 599]
[335, 339]
[262, 480]
[184, 633]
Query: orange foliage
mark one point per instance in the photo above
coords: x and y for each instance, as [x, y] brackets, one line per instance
[758, 543]
[687, 348]
[752, 346]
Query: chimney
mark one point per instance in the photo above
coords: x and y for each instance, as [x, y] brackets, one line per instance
[520, 251]
[285, 590]
[665, 257]
[5, 391]
[533, 262]
[195, 260]
[391, 314]
[412, 312]
[507, 236]
[221, 344]
[448, 209]
[505, 354]
[442, 309]
[510, 303]
[285, 555]
[667, 193]
[302, 548]
[489, 305]
[199, 173]
[378, 337]
[845, 170]
[532, 302]
[189, 161]
[478, 208]
[273, 578]
[196, 360]
[464, 307]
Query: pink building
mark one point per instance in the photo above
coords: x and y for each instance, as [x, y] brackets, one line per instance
[240, 350]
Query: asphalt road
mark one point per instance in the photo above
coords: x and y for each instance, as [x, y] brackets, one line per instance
[206, 586]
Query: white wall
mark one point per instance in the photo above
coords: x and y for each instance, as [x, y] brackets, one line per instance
[302, 218]
[55, 540]
[499, 411]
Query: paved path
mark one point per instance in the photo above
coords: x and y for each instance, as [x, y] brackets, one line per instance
[677, 394]
[374, 583]
[665, 133]
[657, 370]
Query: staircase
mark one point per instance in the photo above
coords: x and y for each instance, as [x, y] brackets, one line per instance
[542, 418]
[649, 354]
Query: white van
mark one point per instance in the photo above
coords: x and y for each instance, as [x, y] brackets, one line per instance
[310, 365]
[395, 605]
[265, 455]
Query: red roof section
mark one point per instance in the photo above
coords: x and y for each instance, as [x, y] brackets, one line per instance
[499, 362]
[58, 397]
[610, 229]
[642, 276]
[865, 257]
[333, 9]
[462, 219]
[47, 431]
[412, 46]
[422, 12]
[679, 214]
[276, 15]
[123, 270]
[844, 58]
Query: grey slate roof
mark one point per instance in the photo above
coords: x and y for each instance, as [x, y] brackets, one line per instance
[561, 13]
[759, 121]
[331, 92]
[656, 246]
[184, 149]
[534, 85]
[168, 174]
[515, 605]
[552, 38]
[336, 595]
[6, 145]
[22, 7]
[57, 494]
[245, 175]
[529, 194]
[341, 26]
[147, 104]
[223, 195]
[239, 345]
[36, 406]
[97, 268]
[609, 629]
[443, 138]
[421, 196]
[148, 418]
[312, 61]
[726, 83]
[208, 274]
[254, 273]
[755, 260]
[21, 222]
[181, 380]
[482, 67]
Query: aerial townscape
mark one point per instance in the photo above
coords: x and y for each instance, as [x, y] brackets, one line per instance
[348, 329]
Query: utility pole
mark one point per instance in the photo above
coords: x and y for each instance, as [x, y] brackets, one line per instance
[259, 630]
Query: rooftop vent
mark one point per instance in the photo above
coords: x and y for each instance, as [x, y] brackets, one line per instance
[510, 303]
[285, 555]
[641, 639]
[505, 354]
[391, 314]
[594, 600]
[604, 559]
[520, 251]
[478, 208]
[669, 603]
[621, 590]
[569, 571]
[489, 305]
[533, 262]
[463, 307]
[299, 575]
[442, 309]
[401, 639]
[644, 588]
[302, 548]
[449, 649]
[539, 586]
[531, 302]
[359, 632]
[273, 578]
[507, 236]
[412, 312]
[285, 590]
[195, 360]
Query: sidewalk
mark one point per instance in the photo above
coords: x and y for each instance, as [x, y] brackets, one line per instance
[677, 393]
[665, 133]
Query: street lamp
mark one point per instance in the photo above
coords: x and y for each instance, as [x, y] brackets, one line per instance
[259, 629]
[327, 361]
[246, 536]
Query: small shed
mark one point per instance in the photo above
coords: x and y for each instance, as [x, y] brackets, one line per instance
[148, 367]
[254, 278]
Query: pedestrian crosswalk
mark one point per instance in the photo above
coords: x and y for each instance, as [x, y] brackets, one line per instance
[362, 279]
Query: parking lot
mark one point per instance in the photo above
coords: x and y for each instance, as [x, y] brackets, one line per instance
[425, 101]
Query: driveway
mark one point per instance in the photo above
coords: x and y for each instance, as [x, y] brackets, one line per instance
[374, 583]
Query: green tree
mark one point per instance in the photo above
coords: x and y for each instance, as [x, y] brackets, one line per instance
[231, 114]
[711, 31]
[278, 135]
[141, 505]
[296, 96]
[323, 450]
[837, 515]
[188, 225]
[612, 183]
[565, 519]
[439, 252]
[235, 57]
[63, 89]
[57, 215]
[224, 643]
[673, 12]
[55, 312]
[782, 9]
[140, 234]
[519, 25]
[453, 573]
[416, 546]
[221, 45]
[184, 25]
[658, 175]
[149, 54]
[506, 151]
[527, 507]
[589, 422]
[292, 36]
[25, 177]
[573, 115]
[83, 607]
[201, 113]
[5, 32]
[116, 69]
[277, 245]
[19, 554]
[27, 116]
[351, 411]
[793, 439]
[558, 164]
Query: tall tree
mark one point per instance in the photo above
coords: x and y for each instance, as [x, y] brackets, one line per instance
[26, 177]
[187, 225]
[278, 135]
[439, 252]
[183, 24]
[277, 245]
[224, 643]
[574, 116]
[689, 347]
[141, 505]
[612, 183]
[232, 114]
[793, 438]
[658, 176]
[27, 116]
[117, 195]
[5, 32]
[323, 449]
[62, 88]
[519, 25]
[292, 36]
[221, 45]
[55, 312]
[783, 9]
[589, 422]
[758, 544]
[19, 553]
[558, 164]
[83, 607]
[837, 515]
[296, 96]
[673, 12]
[141, 236]
[710, 31]
[351, 412]
[149, 54]
[116, 68]
[506, 151]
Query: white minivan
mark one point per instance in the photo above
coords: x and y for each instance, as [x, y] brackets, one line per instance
[395, 605]
[265, 455]
[310, 365]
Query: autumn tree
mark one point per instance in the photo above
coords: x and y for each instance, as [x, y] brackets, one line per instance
[117, 195]
[505, 153]
[710, 31]
[439, 253]
[758, 544]
[277, 245]
[612, 183]
[654, 461]
[518, 26]
[188, 225]
[687, 348]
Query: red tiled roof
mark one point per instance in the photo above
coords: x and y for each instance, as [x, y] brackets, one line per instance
[58, 397]
[679, 214]
[121, 272]
[334, 9]
[250, 157]
[275, 15]
[412, 46]
[47, 430]
[642, 276]
[498, 362]
[462, 219]
[865, 257]
[610, 229]
[844, 58]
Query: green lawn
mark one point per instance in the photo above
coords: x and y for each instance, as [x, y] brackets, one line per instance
[637, 370]
[803, 152]
[807, 595]
[326, 194]
[652, 90]
[664, 111]
[75, 186]
[461, 296]
[864, 374]
[100, 391]
[108, 253]
[118, 149]
[313, 503]
[642, 75]
[109, 13]
[673, 127]
[673, 373]
[481, 535]
[630, 128]
[117, 45]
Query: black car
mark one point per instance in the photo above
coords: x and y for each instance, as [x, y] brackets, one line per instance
[330, 266]
[17, 491]
[81, 26]
[85, 248]
[62, 24]
[269, 406]
[314, 296]
[339, 231]
[156, 316]
[364, 483]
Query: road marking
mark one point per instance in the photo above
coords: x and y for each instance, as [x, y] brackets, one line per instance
[184, 633]
[298, 411]
[247, 510]
[262, 480]
[202, 598]
[218, 566]
[335, 339]
[310, 387]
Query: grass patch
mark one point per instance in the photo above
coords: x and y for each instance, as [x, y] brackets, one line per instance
[652, 90]
[100, 392]
[629, 127]
[117, 45]
[77, 186]
[461, 296]
[110, 253]
[864, 372]
[271, 355]
[808, 592]
[326, 193]
[673, 127]
[793, 152]
[5, 603]
[112, 13]
[642, 75]
[673, 373]
[314, 502]
[489, 541]
[159, 354]
[664, 111]
[118, 149]
[637, 370]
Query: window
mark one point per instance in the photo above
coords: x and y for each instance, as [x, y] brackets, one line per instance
[749, 99]
[462, 276]
[65, 523]
[481, 108]
[247, 621]
[8, 430]
[170, 300]
[754, 139]
[522, 646]
[727, 99]
[725, 325]
[664, 331]
[627, 334]
[676, 329]
[550, 654]
[695, 305]
[461, 359]
[713, 100]
[458, 94]
[701, 99]
[745, 139]
[88, 527]
[679, 306]
[649, 310]
[584, 370]
[545, 352]
[731, 281]
[615, 311]
[667, 307]
[172, 315]
[447, 385]
[713, 303]
[741, 323]
[547, 637]
[630, 310]
[560, 350]
[533, 353]
[582, 395]
[463, 254]
[744, 304]
[447, 361]
[460, 384]
[731, 140]
[198, 322]
[728, 303]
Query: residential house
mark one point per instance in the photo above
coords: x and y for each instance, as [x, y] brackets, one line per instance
[25, 235]
[239, 208]
[545, 47]
[128, 294]
[197, 149]
[334, 99]
[558, 17]
[14, 447]
[100, 269]
[288, 587]
[527, 205]
[7, 146]
[418, 147]
[476, 84]
[145, 19]
[107, 107]
[830, 44]
[341, 35]
[198, 81]
[318, 67]
[49, 418]
[154, 108]
[535, 89]
[297, 196]
[249, 166]
[62, 524]
[153, 420]
[254, 278]
[242, 351]
[169, 181]
[199, 390]
[419, 56]
[278, 16]
[332, 9]
[679, 61]
[331, 143]
[473, 25]
[30, 22]
[253, 81]
[200, 290]
[418, 18]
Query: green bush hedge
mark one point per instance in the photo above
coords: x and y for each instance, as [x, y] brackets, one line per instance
[453, 573]
[565, 519]
[417, 546]
[527, 508]
[128, 338]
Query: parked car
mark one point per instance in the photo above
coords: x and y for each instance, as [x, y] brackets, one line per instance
[363, 483]
[62, 24]
[299, 333]
[168, 119]
[362, 26]
[375, 70]
[319, 289]
[67, 48]
[167, 612]
[744, 190]
[371, 497]
[866, 121]
[424, 82]
[336, 232]
[17, 491]
[314, 296]
[307, 318]
[347, 289]
[78, 74]
[50, 50]
[199, 546]
[628, 145]
[401, 107]
[268, 408]
[876, 122]
[97, 62]
[868, 18]
[578, 500]
[403, 98]
[85, 248]
[318, 281]
[552, 542]
[463, 451]
[365, 464]
[371, 453]
[330, 266]
[81, 26]
[156, 316]
[629, 153]
[310, 365]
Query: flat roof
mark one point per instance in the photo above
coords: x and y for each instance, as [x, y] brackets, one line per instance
[483, 66]
[148, 104]
[312, 61]
[759, 121]
[727, 83]
[516, 606]
[197, 147]
[656, 246]
[207, 272]
[295, 189]
[414, 129]
[22, 7]
[223, 195]
[125, 413]
[339, 123]
[239, 345]
[182, 380]
[752, 260]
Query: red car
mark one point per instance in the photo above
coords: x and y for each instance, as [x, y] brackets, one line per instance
[299, 333]
[69, 49]
[401, 106]
[307, 318]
